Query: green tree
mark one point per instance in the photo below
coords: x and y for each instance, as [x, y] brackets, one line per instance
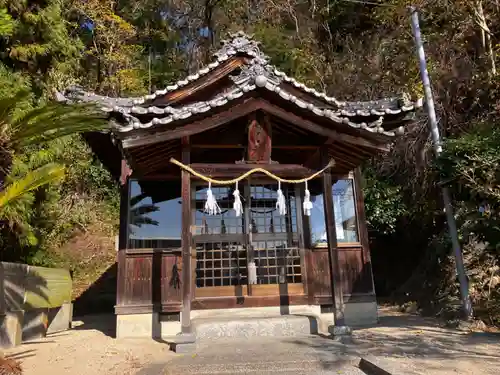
[25, 130]
[36, 38]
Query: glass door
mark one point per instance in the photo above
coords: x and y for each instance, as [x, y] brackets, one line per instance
[256, 254]
[220, 242]
[273, 240]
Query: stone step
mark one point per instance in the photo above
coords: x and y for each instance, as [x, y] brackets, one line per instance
[299, 367]
[248, 327]
[306, 355]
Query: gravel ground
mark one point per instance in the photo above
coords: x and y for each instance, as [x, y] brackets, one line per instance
[89, 349]
[422, 346]
[400, 343]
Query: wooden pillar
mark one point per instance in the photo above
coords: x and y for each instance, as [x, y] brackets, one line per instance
[362, 227]
[331, 235]
[186, 240]
[123, 231]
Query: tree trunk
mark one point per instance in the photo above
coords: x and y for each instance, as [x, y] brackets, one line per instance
[480, 20]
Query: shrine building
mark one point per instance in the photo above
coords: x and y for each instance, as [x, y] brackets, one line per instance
[273, 255]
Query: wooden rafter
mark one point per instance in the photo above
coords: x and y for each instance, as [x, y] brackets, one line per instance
[243, 109]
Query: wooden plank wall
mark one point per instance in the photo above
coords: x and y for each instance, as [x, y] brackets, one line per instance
[152, 281]
[354, 262]
[356, 277]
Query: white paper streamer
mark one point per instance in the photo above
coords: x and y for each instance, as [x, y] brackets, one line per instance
[238, 208]
[252, 273]
[280, 202]
[211, 206]
[307, 205]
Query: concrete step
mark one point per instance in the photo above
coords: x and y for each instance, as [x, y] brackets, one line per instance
[299, 367]
[307, 355]
[210, 329]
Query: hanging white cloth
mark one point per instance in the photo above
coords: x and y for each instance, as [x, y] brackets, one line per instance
[252, 273]
[237, 206]
[307, 205]
[211, 206]
[280, 202]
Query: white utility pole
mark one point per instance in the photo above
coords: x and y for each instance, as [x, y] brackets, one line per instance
[436, 140]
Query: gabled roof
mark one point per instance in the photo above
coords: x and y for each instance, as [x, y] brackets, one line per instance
[256, 73]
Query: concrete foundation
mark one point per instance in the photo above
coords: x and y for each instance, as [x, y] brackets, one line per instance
[35, 324]
[146, 325]
[11, 329]
[210, 323]
[60, 318]
[249, 321]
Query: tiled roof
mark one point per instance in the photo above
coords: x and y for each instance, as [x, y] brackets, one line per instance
[258, 73]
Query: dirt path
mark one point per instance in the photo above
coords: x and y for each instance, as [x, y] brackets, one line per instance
[88, 350]
[422, 346]
[400, 343]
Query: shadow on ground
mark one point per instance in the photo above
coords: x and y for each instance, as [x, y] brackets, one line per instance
[105, 323]
[94, 308]
[100, 297]
[406, 341]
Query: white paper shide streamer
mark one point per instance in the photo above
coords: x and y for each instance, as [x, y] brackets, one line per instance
[211, 206]
[280, 202]
[238, 208]
[307, 205]
[252, 273]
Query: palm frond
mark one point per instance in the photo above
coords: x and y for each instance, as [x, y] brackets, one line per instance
[135, 200]
[144, 209]
[31, 181]
[53, 121]
[10, 103]
[139, 221]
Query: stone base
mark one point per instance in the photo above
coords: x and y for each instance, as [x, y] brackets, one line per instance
[226, 326]
[11, 329]
[270, 311]
[358, 314]
[145, 325]
[340, 330]
[251, 320]
[183, 348]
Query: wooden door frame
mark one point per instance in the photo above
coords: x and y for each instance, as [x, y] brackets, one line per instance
[267, 290]
[290, 288]
[223, 291]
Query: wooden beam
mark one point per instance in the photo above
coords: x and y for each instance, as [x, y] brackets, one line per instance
[231, 170]
[186, 241]
[331, 235]
[318, 129]
[239, 146]
[125, 172]
[362, 225]
[242, 109]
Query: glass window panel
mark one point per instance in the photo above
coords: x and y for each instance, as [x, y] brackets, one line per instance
[345, 215]
[345, 211]
[155, 219]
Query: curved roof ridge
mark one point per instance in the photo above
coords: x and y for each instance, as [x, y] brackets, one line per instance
[242, 43]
